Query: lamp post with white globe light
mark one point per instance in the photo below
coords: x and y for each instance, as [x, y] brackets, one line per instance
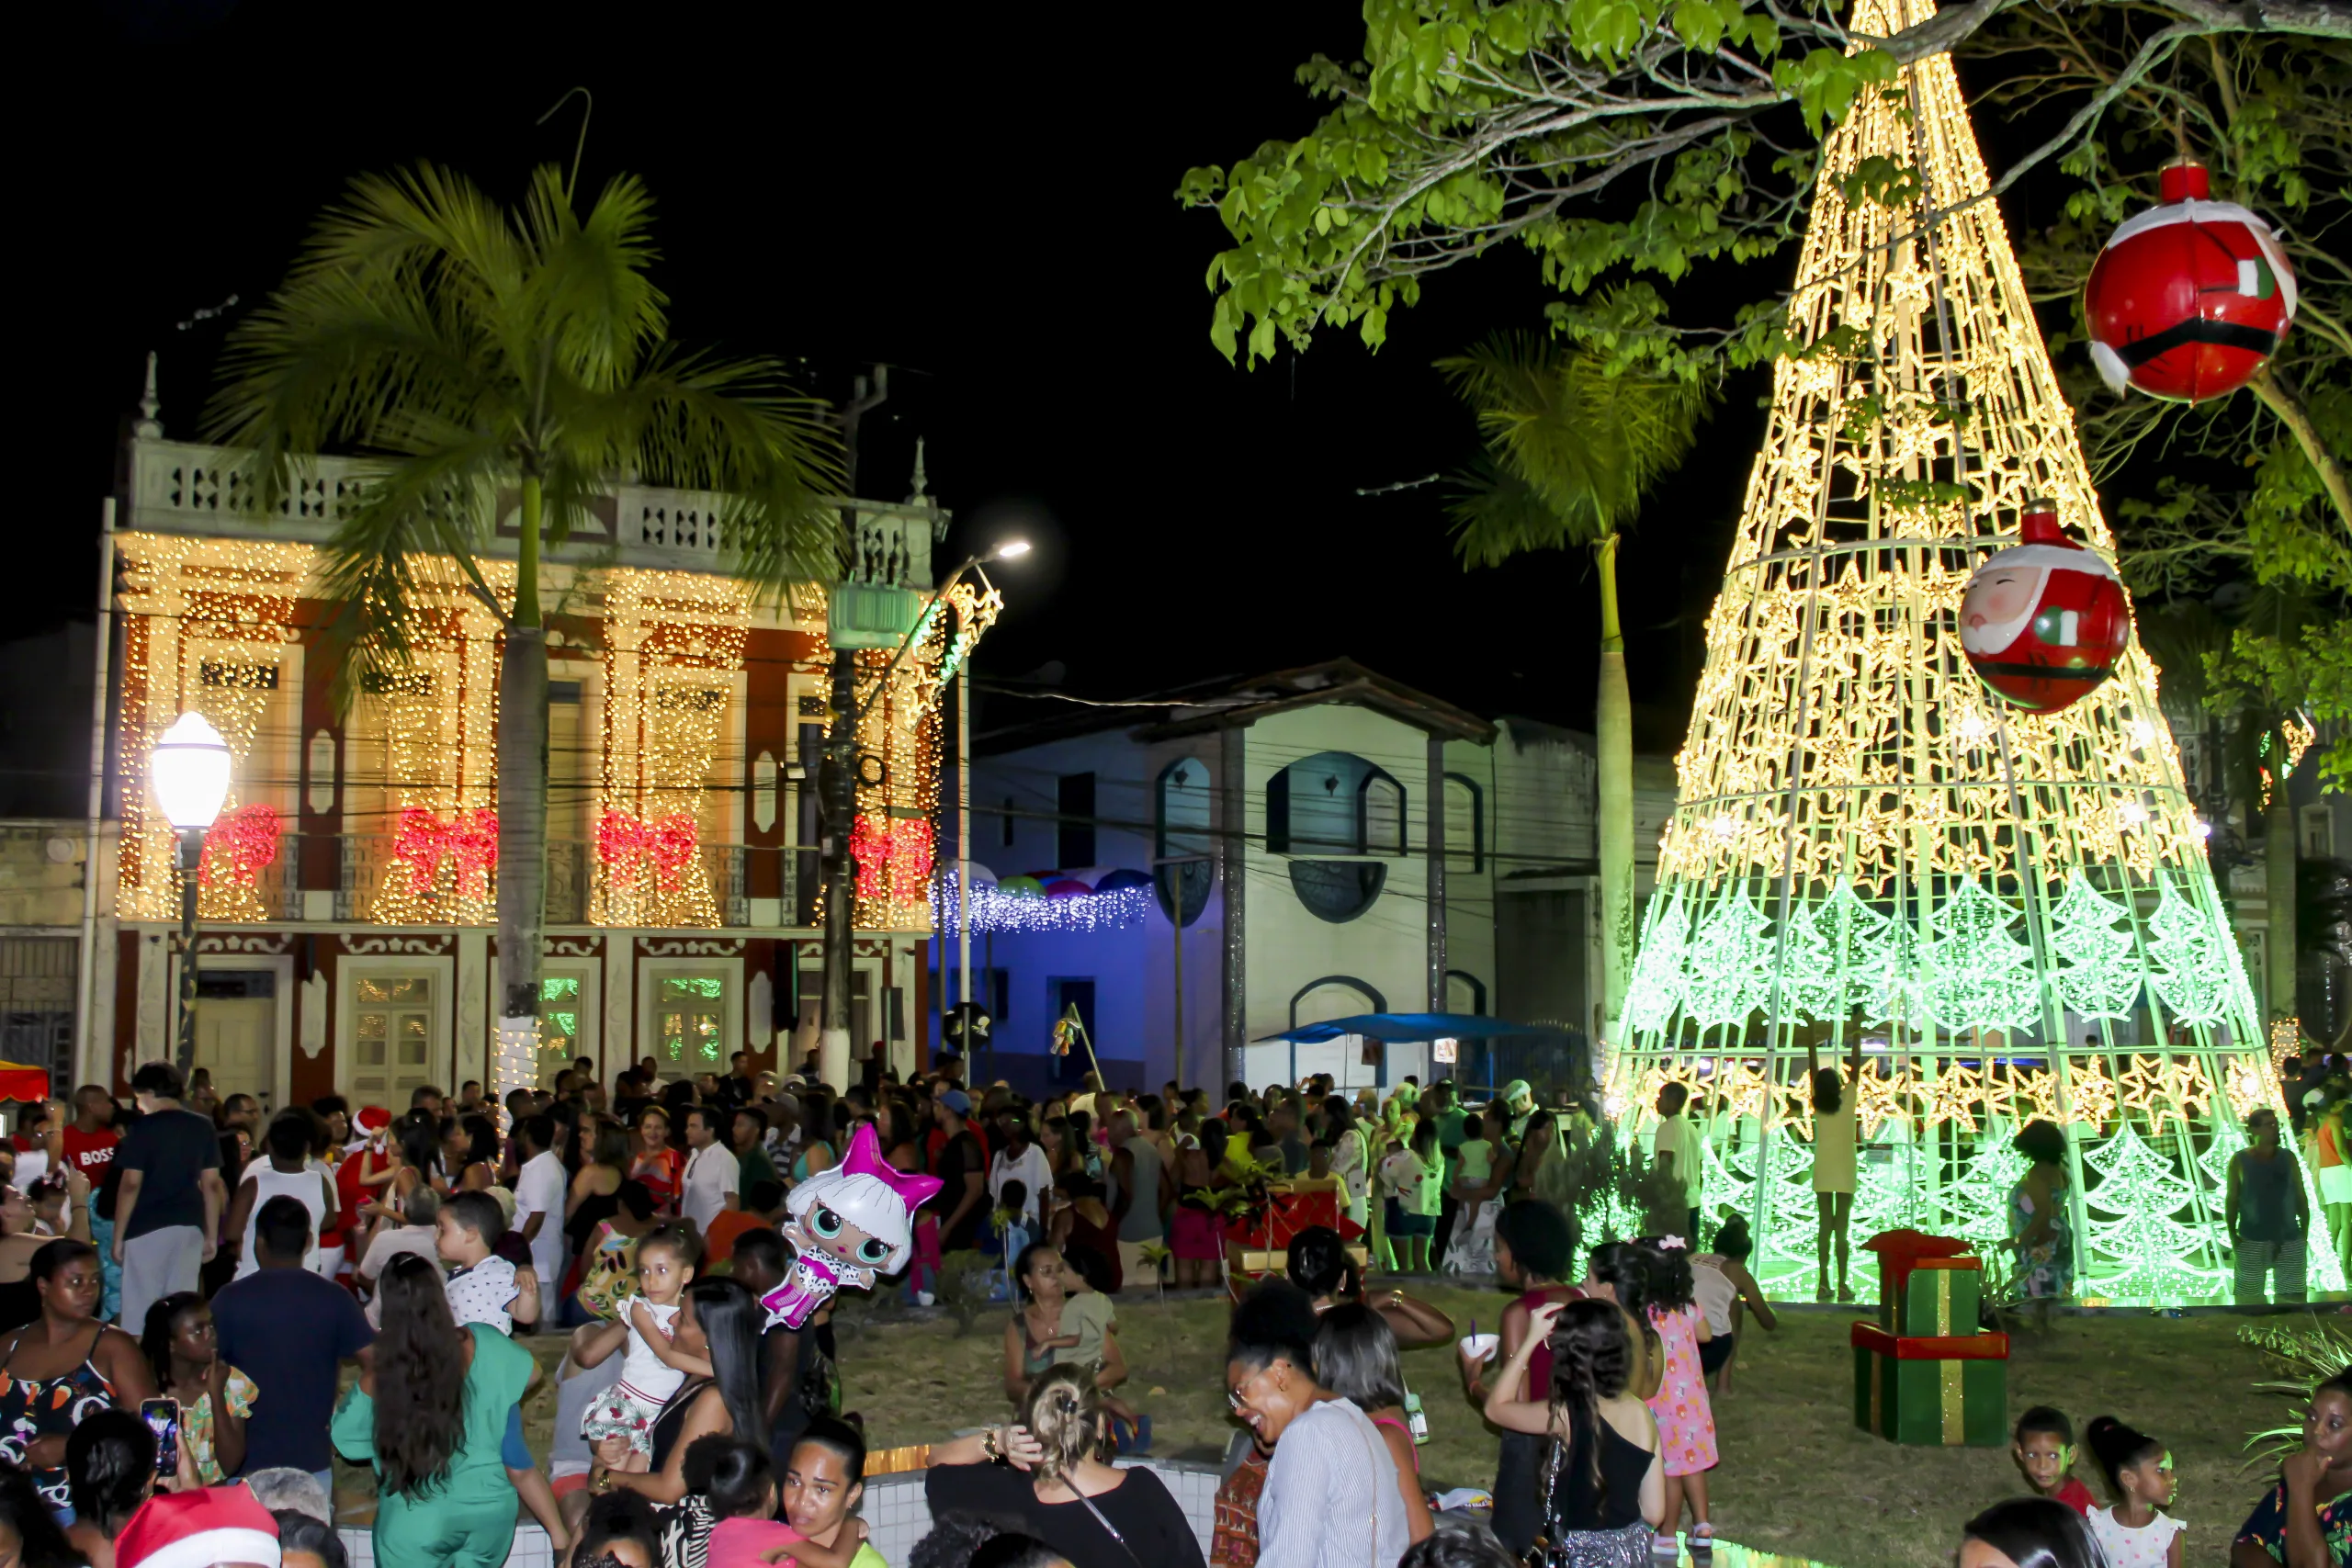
[837, 805]
[188, 769]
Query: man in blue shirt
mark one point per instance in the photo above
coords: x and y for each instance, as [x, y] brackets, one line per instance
[289, 1330]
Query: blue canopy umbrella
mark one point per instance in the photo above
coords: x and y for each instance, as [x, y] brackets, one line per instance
[1413, 1027]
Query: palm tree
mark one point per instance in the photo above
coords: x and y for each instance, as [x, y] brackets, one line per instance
[1572, 446]
[464, 347]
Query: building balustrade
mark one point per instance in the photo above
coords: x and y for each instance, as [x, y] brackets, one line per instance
[179, 486]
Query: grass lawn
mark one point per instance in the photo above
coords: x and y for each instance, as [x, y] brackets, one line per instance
[1797, 1477]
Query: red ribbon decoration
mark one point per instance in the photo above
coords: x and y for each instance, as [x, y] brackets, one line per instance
[672, 841]
[244, 841]
[903, 850]
[422, 841]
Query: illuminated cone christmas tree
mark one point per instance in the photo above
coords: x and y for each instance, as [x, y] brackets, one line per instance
[2014, 906]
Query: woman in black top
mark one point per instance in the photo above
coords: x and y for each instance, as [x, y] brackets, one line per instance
[1604, 1487]
[1088, 1511]
[727, 1405]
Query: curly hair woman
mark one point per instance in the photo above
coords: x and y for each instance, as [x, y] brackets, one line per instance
[430, 1413]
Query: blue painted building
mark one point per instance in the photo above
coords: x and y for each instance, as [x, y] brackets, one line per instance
[1289, 818]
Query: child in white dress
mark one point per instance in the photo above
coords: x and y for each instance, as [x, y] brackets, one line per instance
[655, 1364]
[2136, 1532]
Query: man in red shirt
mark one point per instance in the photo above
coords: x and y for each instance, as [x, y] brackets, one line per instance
[90, 1138]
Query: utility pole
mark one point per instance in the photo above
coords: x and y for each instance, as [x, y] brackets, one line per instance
[837, 774]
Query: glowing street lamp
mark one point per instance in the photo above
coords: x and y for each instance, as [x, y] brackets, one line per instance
[841, 756]
[188, 769]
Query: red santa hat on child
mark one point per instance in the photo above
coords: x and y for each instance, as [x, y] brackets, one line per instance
[203, 1528]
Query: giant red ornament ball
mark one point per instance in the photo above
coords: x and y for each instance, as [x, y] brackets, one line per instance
[2190, 299]
[2044, 621]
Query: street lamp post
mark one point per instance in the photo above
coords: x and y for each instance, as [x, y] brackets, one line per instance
[837, 797]
[188, 768]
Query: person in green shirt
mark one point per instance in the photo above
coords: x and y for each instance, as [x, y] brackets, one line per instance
[443, 1495]
[751, 1147]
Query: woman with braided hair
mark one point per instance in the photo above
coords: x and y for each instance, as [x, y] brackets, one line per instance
[1604, 1484]
[1088, 1511]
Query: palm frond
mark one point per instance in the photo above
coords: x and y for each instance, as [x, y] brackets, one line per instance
[1585, 442]
[2306, 1356]
[1496, 516]
[466, 346]
[591, 289]
[737, 428]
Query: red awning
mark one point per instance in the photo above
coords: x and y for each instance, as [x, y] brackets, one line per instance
[20, 1082]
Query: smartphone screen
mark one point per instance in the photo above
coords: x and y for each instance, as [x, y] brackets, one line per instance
[163, 1418]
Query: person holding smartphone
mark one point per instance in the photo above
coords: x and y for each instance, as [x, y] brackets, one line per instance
[210, 1397]
[114, 1463]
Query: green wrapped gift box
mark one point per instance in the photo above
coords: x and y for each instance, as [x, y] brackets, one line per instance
[1942, 1390]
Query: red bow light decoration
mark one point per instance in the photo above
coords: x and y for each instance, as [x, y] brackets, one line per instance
[243, 842]
[422, 841]
[623, 840]
[903, 852]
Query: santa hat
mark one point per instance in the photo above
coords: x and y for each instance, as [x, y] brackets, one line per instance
[372, 1119]
[198, 1529]
[2042, 542]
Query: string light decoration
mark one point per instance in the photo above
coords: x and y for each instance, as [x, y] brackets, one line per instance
[2016, 905]
[433, 723]
[673, 650]
[238, 845]
[2286, 1039]
[207, 624]
[901, 733]
[2293, 739]
[1107, 908]
[629, 848]
[467, 844]
[890, 853]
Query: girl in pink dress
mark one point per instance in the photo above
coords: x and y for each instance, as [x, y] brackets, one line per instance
[1651, 1279]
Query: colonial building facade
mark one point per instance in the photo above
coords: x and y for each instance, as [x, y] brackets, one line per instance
[348, 889]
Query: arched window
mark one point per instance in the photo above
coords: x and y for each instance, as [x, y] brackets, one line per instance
[1180, 848]
[1334, 995]
[1465, 824]
[1381, 817]
[1465, 992]
[1336, 890]
[1335, 803]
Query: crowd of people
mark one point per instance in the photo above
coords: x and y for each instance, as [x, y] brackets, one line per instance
[201, 1307]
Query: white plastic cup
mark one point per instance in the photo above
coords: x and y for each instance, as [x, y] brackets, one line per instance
[1481, 1346]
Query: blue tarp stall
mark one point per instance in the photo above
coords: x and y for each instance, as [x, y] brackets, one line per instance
[1493, 1050]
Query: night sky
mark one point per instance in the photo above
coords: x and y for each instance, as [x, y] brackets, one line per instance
[978, 198]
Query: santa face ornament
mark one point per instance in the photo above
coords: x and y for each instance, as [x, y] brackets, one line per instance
[2044, 621]
[847, 1225]
[2191, 298]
